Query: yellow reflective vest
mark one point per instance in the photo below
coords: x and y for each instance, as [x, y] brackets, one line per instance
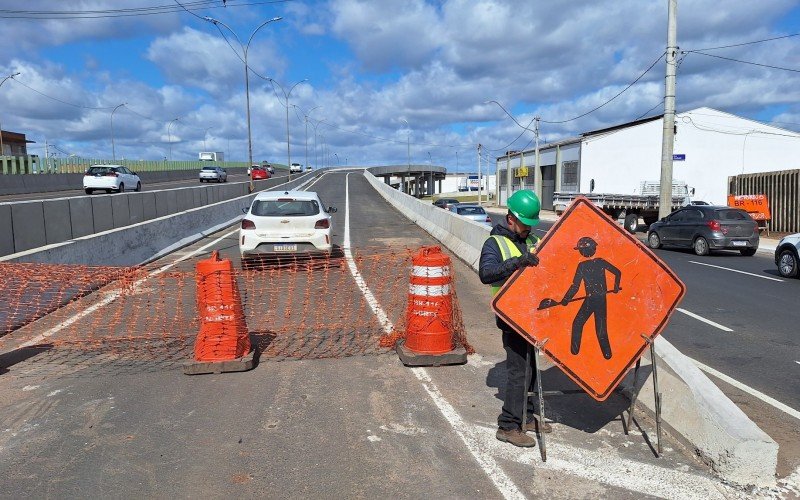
[508, 249]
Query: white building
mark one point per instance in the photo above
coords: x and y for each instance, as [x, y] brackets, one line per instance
[710, 146]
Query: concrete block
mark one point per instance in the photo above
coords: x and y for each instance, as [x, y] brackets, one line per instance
[27, 219]
[162, 207]
[120, 211]
[6, 230]
[12, 184]
[80, 216]
[136, 207]
[203, 196]
[149, 210]
[184, 199]
[197, 197]
[458, 356]
[172, 201]
[57, 221]
[102, 213]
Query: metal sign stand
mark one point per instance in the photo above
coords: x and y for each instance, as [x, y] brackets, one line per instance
[540, 417]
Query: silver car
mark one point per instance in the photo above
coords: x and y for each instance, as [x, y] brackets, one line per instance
[213, 173]
[787, 256]
[474, 212]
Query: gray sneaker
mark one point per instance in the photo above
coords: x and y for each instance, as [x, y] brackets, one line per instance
[531, 427]
[515, 437]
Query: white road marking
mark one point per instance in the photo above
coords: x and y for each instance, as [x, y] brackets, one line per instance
[111, 297]
[502, 482]
[735, 271]
[704, 320]
[746, 388]
[798, 362]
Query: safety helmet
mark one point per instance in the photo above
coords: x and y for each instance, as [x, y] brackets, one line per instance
[525, 206]
[586, 246]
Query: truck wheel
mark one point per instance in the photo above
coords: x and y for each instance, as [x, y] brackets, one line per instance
[632, 223]
[701, 246]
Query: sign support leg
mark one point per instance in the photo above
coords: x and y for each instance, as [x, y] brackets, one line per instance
[541, 419]
[633, 395]
[657, 396]
[527, 384]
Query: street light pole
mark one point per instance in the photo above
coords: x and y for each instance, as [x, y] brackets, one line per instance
[286, 96]
[305, 116]
[205, 133]
[430, 176]
[12, 75]
[245, 49]
[169, 136]
[113, 151]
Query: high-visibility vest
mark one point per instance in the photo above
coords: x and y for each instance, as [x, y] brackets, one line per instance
[507, 250]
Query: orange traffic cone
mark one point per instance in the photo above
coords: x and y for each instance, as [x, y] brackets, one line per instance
[223, 342]
[429, 315]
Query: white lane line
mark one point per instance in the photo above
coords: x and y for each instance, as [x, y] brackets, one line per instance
[735, 271]
[749, 390]
[502, 482]
[704, 320]
[798, 362]
[111, 297]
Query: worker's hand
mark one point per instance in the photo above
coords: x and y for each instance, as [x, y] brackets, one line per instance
[528, 259]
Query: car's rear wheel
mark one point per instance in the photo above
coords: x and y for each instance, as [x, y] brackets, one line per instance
[121, 188]
[701, 246]
[787, 264]
[653, 240]
[748, 252]
[138, 187]
[89, 191]
[632, 223]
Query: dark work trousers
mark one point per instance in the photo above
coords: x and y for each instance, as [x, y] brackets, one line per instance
[515, 396]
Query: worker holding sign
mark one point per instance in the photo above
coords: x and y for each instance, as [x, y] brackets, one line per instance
[508, 248]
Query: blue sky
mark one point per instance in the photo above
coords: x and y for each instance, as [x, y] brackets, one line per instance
[372, 66]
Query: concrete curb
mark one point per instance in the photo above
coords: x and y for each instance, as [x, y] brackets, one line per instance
[694, 409]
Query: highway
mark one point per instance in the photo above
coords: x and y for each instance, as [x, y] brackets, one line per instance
[87, 424]
[146, 186]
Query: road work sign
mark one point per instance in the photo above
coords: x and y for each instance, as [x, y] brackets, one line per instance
[596, 299]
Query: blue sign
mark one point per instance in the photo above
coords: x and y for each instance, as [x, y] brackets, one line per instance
[678, 157]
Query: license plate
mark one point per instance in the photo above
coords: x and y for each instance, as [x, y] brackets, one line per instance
[285, 248]
[740, 243]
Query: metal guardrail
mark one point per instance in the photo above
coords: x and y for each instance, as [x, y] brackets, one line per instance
[11, 165]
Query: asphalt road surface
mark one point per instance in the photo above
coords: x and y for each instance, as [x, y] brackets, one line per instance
[347, 426]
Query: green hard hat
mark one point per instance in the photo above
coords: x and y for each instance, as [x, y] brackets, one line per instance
[524, 204]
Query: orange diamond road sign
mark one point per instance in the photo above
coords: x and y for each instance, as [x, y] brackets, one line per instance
[595, 296]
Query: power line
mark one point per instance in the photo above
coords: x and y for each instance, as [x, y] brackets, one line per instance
[130, 12]
[609, 100]
[744, 43]
[61, 101]
[747, 62]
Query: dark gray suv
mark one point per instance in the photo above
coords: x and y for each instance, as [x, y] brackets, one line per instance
[705, 228]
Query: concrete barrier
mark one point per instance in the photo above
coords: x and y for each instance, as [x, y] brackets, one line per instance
[694, 409]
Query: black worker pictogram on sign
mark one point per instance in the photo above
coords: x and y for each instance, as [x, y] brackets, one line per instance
[596, 298]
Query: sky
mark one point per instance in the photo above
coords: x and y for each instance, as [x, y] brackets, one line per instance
[376, 82]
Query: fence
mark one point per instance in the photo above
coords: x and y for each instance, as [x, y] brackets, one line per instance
[782, 190]
[36, 165]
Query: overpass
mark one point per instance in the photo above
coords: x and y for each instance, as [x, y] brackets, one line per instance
[415, 180]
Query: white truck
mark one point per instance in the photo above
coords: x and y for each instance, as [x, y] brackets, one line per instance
[212, 156]
[630, 206]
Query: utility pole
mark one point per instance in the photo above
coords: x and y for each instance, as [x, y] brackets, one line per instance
[480, 180]
[668, 134]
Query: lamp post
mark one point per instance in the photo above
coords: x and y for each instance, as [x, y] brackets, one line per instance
[169, 135]
[12, 75]
[408, 151]
[113, 151]
[245, 49]
[338, 163]
[305, 116]
[286, 96]
[316, 158]
[205, 133]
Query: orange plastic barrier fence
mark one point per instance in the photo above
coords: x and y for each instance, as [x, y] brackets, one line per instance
[293, 309]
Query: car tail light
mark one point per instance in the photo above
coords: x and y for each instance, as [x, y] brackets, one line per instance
[248, 224]
[322, 224]
[714, 225]
[488, 219]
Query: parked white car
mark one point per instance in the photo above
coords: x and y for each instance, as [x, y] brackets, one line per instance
[787, 256]
[110, 178]
[474, 212]
[285, 223]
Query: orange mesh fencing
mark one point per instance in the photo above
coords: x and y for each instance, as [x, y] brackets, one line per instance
[294, 309]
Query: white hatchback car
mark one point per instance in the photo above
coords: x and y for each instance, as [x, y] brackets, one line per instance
[787, 256]
[285, 223]
[110, 178]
